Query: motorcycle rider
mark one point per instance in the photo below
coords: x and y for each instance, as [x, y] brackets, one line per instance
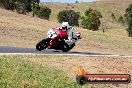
[72, 37]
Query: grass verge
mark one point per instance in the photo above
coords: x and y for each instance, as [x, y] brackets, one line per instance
[15, 73]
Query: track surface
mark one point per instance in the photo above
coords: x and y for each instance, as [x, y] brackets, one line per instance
[16, 50]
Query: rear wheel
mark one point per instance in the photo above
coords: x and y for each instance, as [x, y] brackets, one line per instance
[43, 44]
[72, 46]
[66, 48]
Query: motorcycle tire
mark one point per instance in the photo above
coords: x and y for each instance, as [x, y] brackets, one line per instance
[43, 44]
[65, 48]
[72, 46]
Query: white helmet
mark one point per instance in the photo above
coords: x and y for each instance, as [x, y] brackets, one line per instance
[65, 25]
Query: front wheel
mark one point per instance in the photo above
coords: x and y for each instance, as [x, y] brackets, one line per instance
[43, 44]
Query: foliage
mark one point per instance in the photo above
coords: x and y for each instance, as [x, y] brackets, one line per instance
[121, 19]
[8, 4]
[28, 4]
[91, 20]
[21, 6]
[76, 1]
[69, 16]
[128, 16]
[129, 30]
[44, 13]
[35, 8]
[25, 6]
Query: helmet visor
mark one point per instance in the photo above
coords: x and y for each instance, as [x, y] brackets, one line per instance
[64, 28]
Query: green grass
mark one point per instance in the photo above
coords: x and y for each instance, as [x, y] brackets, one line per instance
[16, 73]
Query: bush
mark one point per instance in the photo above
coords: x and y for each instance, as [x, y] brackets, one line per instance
[121, 19]
[76, 1]
[86, 21]
[27, 4]
[20, 8]
[8, 4]
[91, 20]
[44, 13]
[35, 9]
[69, 16]
[129, 30]
[128, 16]
[87, 12]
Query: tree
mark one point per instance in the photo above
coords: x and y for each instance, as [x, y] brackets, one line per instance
[91, 20]
[20, 8]
[28, 4]
[44, 13]
[35, 8]
[128, 16]
[76, 1]
[8, 4]
[69, 16]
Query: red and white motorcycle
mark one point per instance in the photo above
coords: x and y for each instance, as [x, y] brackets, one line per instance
[55, 40]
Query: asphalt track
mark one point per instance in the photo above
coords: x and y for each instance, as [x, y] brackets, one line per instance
[4, 50]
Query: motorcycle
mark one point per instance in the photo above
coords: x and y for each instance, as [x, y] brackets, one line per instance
[55, 40]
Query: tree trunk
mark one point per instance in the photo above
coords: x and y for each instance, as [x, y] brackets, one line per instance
[130, 35]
